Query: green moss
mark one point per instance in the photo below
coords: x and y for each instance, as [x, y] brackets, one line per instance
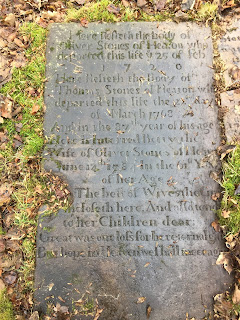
[230, 200]
[31, 76]
[6, 308]
[88, 307]
[97, 11]
[207, 11]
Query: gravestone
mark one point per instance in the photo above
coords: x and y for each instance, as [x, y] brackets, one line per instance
[132, 127]
[230, 100]
[229, 49]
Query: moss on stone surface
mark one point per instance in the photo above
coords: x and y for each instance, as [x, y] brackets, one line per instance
[6, 308]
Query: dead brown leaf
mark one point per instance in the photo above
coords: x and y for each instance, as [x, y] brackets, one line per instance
[80, 2]
[98, 313]
[18, 126]
[222, 306]
[230, 244]
[35, 108]
[19, 61]
[2, 245]
[50, 286]
[34, 316]
[141, 299]
[17, 137]
[61, 299]
[216, 196]
[60, 194]
[113, 9]
[236, 295]
[12, 245]
[10, 20]
[6, 106]
[38, 189]
[11, 36]
[180, 16]
[3, 43]
[226, 149]
[5, 70]
[230, 238]
[2, 285]
[61, 309]
[41, 22]
[141, 3]
[5, 193]
[126, 3]
[31, 91]
[16, 143]
[11, 260]
[64, 310]
[235, 73]
[160, 4]
[19, 43]
[10, 277]
[216, 226]
[229, 4]
[52, 15]
[84, 22]
[225, 259]
[225, 214]
[148, 311]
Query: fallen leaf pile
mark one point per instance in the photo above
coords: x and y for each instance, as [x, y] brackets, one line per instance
[12, 237]
[12, 47]
[230, 260]
[12, 44]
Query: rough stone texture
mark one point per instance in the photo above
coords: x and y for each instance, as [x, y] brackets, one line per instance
[231, 101]
[229, 48]
[187, 5]
[131, 123]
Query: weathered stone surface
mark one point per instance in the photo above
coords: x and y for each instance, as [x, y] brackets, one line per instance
[229, 48]
[231, 101]
[131, 121]
[187, 5]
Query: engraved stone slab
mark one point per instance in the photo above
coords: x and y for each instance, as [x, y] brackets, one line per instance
[130, 115]
[229, 49]
[231, 101]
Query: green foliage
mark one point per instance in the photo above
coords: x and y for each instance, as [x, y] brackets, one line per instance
[88, 306]
[230, 200]
[97, 11]
[6, 308]
[30, 76]
[207, 11]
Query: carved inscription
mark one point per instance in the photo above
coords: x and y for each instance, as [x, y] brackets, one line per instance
[130, 119]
